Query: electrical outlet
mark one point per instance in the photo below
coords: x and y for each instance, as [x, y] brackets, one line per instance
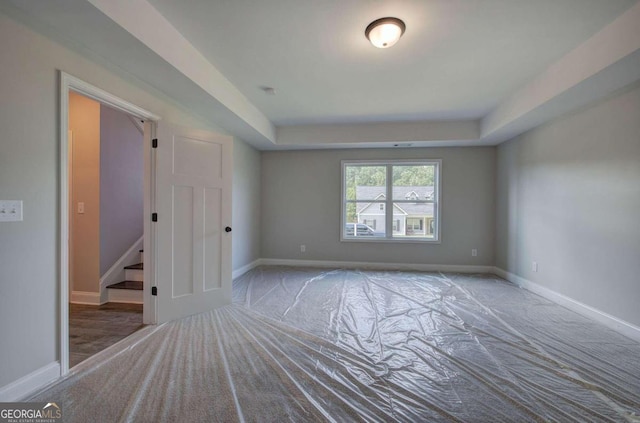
[10, 210]
[303, 248]
[474, 253]
[534, 266]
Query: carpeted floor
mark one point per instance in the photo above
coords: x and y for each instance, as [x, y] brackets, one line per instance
[345, 345]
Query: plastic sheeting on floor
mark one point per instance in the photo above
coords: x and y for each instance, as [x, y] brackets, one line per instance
[347, 345]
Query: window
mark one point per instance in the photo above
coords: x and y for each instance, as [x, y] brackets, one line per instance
[398, 200]
[414, 226]
[431, 225]
[396, 225]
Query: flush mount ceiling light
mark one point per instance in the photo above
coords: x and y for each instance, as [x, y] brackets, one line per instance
[385, 32]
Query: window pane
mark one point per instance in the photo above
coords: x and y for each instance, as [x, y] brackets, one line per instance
[414, 220]
[365, 182]
[365, 220]
[414, 188]
[413, 182]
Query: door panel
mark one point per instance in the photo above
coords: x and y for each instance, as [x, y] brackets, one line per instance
[182, 241]
[198, 158]
[193, 202]
[212, 235]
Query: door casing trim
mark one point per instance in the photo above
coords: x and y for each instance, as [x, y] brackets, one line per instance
[71, 83]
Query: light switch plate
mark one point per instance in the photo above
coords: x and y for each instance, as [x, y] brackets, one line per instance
[10, 210]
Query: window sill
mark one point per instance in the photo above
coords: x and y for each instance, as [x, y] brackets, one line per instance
[391, 240]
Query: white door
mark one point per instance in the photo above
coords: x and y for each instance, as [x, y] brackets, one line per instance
[193, 228]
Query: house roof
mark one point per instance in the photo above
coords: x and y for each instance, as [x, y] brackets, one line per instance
[400, 193]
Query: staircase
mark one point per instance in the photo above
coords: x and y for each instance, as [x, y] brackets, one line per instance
[130, 289]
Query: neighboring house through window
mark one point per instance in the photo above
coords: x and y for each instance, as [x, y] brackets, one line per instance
[398, 199]
[415, 226]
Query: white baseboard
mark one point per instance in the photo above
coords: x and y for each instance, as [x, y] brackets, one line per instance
[26, 385]
[627, 329]
[244, 269]
[379, 266]
[129, 296]
[82, 297]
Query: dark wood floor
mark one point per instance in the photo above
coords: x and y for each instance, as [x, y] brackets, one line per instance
[94, 328]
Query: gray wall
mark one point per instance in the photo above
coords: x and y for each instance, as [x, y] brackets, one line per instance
[301, 204]
[28, 172]
[568, 197]
[246, 204]
[29, 161]
[121, 185]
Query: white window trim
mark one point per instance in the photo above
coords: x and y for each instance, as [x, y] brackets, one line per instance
[437, 236]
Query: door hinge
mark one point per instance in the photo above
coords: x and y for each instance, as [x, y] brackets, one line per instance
[154, 291]
[154, 143]
[154, 217]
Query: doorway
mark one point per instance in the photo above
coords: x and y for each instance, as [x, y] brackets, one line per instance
[105, 226]
[187, 194]
[90, 262]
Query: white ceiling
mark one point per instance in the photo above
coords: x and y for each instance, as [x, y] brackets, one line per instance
[466, 72]
[458, 59]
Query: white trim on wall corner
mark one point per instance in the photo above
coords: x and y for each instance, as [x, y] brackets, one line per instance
[118, 266]
[379, 266]
[26, 385]
[83, 297]
[137, 123]
[116, 272]
[244, 269]
[625, 328]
